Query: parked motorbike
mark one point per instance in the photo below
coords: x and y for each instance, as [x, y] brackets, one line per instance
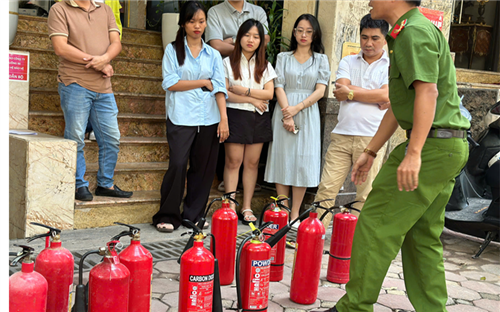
[474, 205]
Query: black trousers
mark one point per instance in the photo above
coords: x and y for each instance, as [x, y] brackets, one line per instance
[199, 146]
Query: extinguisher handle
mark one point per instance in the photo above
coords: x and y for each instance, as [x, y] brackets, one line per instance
[223, 197]
[133, 229]
[124, 233]
[52, 229]
[350, 207]
[280, 201]
[328, 210]
[284, 207]
[26, 252]
[52, 232]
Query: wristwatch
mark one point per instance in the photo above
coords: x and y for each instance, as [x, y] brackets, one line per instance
[350, 96]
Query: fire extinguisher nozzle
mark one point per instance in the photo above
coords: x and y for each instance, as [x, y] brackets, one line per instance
[217, 296]
[273, 240]
[80, 300]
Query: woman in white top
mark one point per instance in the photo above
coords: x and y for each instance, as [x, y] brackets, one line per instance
[249, 81]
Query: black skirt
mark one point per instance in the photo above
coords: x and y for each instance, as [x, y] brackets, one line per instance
[246, 127]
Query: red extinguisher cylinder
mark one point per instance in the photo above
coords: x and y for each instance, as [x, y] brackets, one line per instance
[139, 262]
[196, 279]
[27, 290]
[339, 261]
[224, 229]
[109, 286]
[56, 264]
[307, 262]
[279, 219]
[255, 268]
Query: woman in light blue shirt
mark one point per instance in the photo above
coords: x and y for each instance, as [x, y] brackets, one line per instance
[195, 101]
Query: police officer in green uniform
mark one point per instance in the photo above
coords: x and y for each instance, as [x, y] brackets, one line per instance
[405, 209]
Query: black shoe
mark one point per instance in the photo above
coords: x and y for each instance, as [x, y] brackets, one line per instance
[102, 191]
[329, 310]
[83, 193]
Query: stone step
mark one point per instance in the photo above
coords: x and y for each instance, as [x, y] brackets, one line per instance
[144, 176]
[42, 99]
[132, 150]
[130, 124]
[47, 79]
[141, 207]
[29, 40]
[478, 76]
[104, 211]
[40, 58]
[130, 35]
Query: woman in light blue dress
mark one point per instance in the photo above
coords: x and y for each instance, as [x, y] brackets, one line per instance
[294, 156]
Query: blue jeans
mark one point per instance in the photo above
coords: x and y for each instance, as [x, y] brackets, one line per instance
[80, 105]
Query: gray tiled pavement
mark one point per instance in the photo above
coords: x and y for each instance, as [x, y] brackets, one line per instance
[473, 284]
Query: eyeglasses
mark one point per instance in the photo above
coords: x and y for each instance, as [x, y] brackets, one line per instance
[300, 32]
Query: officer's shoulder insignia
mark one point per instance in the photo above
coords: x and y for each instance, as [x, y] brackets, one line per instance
[398, 28]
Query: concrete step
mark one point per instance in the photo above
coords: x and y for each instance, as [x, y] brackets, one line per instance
[47, 79]
[130, 124]
[143, 176]
[130, 35]
[42, 58]
[104, 211]
[31, 39]
[132, 150]
[141, 207]
[42, 99]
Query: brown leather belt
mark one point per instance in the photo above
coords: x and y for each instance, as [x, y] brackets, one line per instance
[443, 133]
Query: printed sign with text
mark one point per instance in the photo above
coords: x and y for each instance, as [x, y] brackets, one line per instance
[18, 67]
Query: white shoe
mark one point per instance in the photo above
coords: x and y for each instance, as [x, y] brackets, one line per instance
[296, 225]
[92, 136]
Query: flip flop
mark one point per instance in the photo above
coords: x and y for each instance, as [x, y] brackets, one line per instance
[245, 219]
[165, 227]
[290, 244]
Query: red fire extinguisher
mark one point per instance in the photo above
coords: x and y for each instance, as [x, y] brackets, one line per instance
[307, 260]
[344, 224]
[139, 262]
[199, 287]
[56, 264]
[224, 229]
[277, 214]
[109, 283]
[27, 289]
[253, 268]
[201, 223]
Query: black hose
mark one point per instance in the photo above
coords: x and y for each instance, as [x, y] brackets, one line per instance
[80, 265]
[261, 219]
[238, 255]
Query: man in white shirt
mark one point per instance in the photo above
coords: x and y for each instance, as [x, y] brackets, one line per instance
[362, 87]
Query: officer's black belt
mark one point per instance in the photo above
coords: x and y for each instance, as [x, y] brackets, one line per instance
[443, 133]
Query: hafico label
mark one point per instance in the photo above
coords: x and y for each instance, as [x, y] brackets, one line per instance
[259, 287]
[200, 292]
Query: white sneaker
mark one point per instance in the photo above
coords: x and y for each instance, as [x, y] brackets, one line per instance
[296, 225]
[92, 136]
